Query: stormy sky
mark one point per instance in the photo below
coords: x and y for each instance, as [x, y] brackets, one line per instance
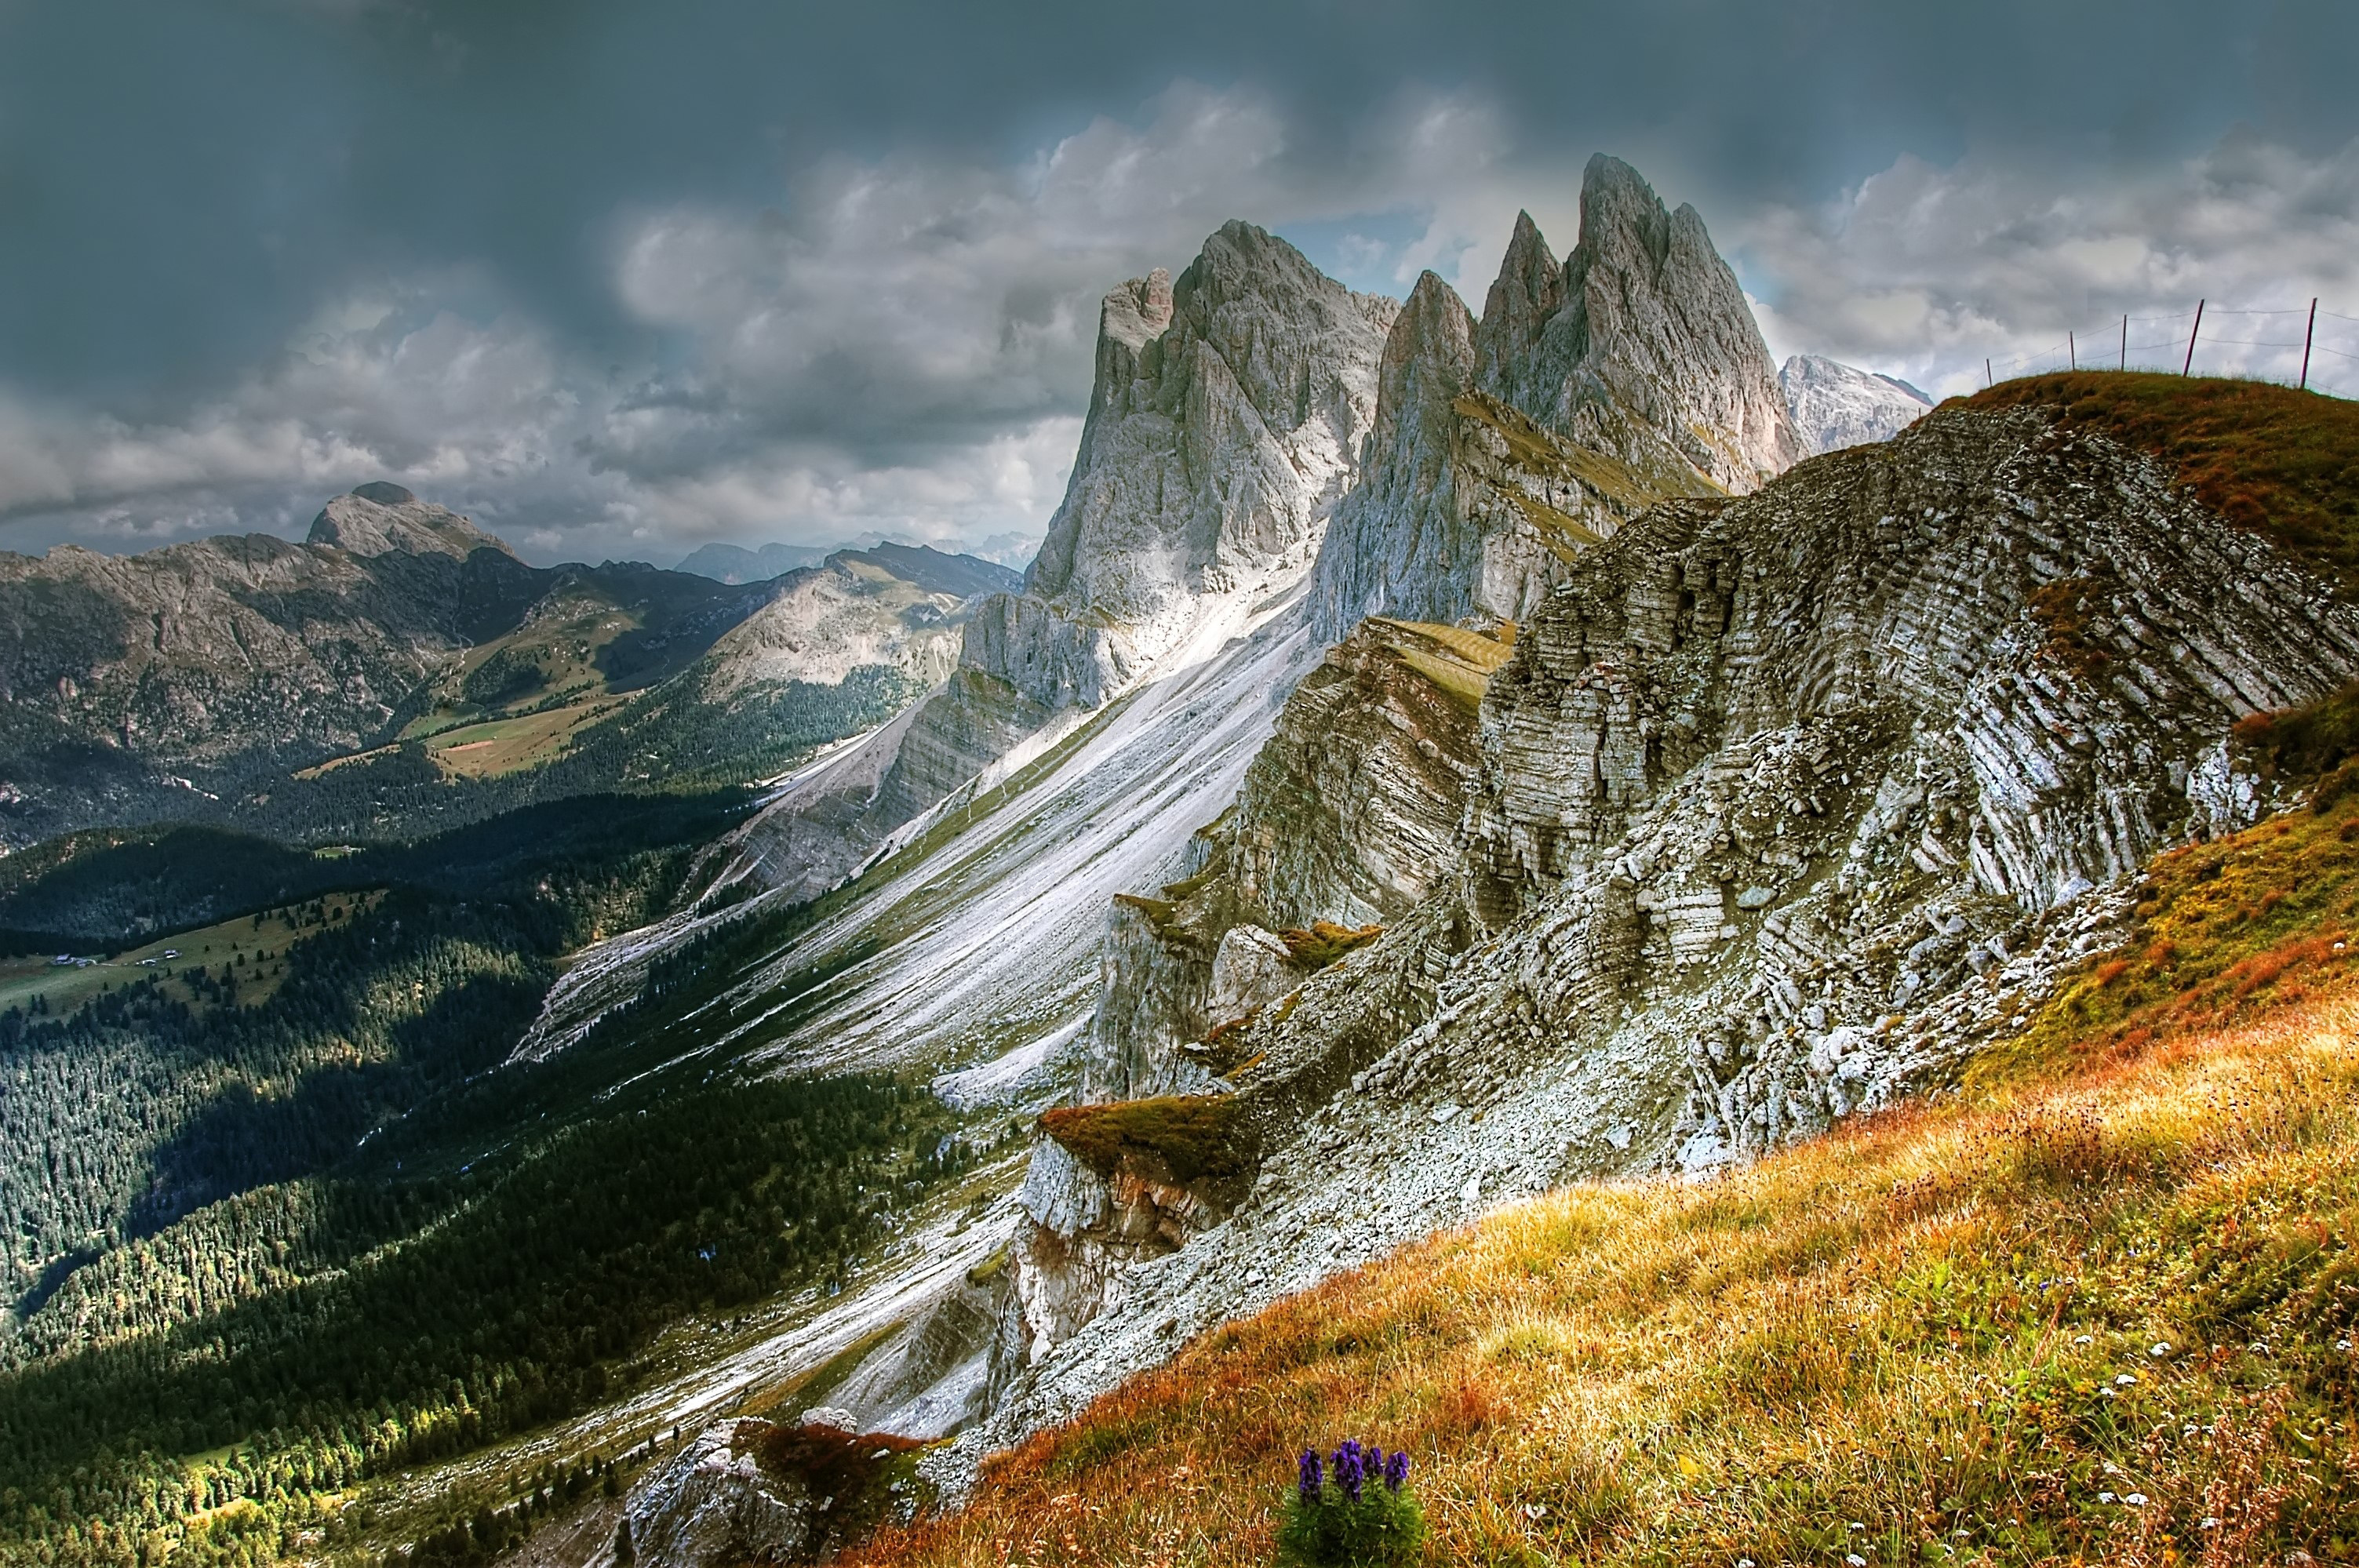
[621, 278]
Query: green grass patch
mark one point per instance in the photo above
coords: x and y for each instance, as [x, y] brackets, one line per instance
[1191, 1138]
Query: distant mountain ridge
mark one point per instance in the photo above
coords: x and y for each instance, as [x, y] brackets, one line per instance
[1835, 405]
[197, 678]
[735, 563]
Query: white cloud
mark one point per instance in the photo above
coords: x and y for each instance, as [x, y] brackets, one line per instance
[899, 345]
[1923, 270]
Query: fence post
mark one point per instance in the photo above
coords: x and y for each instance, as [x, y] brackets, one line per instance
[2126, 342]
[2307, 333]
[2198, 327]
[1986, 374]
[2071, 352]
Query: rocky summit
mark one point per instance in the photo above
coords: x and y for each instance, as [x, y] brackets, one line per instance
[1588, 390]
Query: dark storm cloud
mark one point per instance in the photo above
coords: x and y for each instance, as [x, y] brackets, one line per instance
[621, 274]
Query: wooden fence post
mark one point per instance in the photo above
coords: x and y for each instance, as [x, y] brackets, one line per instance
[2198, 327]
[2307, 333]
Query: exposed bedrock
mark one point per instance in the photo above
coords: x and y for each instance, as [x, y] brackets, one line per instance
[1589, 390]
[1225, 422]
[1786, 805]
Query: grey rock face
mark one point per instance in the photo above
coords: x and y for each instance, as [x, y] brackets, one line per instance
[714, 1506]
[1402, 544]
[379, 518]
[1351, 812]
[1787, 804]
[1835, 405]
[1653, 355]
[1587, 392]
[1225, 422]
[1252, 968]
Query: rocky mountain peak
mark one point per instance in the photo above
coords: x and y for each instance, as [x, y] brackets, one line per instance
[1226, 419]
[1653, 353]
[1138, 310]
[1527, 292]
[1589, 390]
[1835, 405]
[381, 518]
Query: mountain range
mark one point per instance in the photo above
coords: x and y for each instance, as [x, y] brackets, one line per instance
[1434, 760]
[225, 679]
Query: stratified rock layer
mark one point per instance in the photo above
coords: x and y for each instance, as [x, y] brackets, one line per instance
[1787, 804]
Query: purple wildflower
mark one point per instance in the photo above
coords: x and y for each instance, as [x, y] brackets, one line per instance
[1307, 1483]
[1396, 1470]
[1349, 1474]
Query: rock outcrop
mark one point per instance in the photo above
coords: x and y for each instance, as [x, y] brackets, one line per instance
[1225, 422]
[758, 1491]
[1786, 805]
[1588, 391]
[1835, 405]
[1651, 354]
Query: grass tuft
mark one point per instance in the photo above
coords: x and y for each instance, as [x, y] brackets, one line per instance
[1324, 943]
[1183, 1138]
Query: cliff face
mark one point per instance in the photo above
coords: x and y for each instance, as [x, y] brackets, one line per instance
[1785, 805]
[1226, 418]
[1652, 354]
[1587, 391]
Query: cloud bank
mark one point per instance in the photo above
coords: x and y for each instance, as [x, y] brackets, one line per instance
[621, 280]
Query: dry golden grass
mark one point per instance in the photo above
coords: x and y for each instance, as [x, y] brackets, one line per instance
[2255, 919]
[2281, 462]
[1907, 1342]
[1459, 662]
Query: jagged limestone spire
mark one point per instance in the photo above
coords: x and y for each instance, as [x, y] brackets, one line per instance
[1226, 420]
[1653, 354]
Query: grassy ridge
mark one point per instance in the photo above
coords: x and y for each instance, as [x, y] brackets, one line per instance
[2072, 1324]
[2107, 1298]
[2269, 458]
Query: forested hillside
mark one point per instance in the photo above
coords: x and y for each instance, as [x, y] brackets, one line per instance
[257, 1252]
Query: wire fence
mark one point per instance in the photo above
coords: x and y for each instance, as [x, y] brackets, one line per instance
[2300, 346]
